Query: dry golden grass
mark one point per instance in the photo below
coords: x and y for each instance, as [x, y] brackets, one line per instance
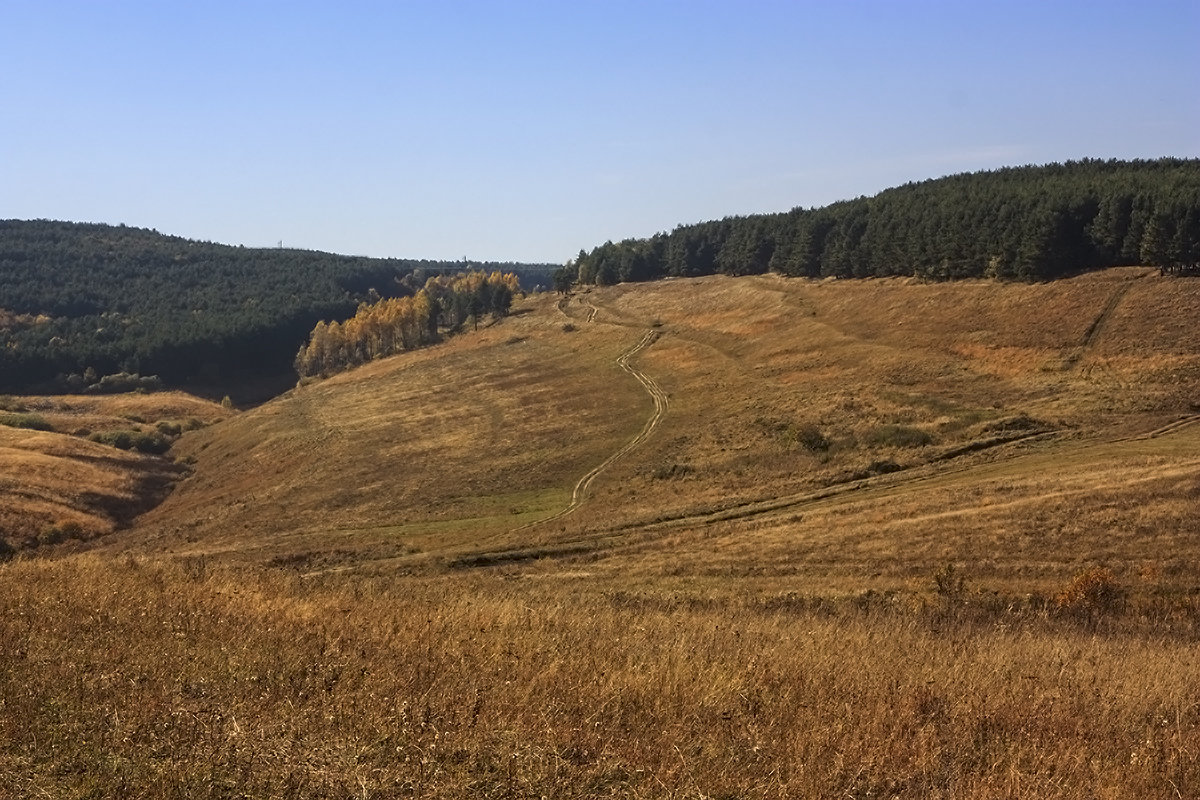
[84, 414]
[51, 481]
[1032, 376]
[445, 445]
[162, 680]
[832, 570]
[453, 448]
[751, 363]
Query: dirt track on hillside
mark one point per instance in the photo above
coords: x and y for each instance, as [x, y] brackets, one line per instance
[1098, 324]
[661, 403]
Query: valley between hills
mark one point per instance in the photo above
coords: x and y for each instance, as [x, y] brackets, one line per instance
[703, 537]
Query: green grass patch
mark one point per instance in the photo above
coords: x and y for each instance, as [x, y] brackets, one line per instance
[959, 416]
[491, 513]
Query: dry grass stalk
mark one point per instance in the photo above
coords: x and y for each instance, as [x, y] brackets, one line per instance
[152, 679]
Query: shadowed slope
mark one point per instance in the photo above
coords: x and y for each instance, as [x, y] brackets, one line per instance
[53, 480]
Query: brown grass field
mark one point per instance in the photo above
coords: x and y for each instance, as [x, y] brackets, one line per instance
[860, 539]
[55, 480]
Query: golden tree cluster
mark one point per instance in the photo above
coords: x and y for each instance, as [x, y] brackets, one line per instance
[395, 324]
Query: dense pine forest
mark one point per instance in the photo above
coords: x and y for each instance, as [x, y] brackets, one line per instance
[82, 301]
[1028, 223]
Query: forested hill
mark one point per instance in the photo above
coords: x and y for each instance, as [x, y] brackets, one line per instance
[1023, 223]
[97, 299]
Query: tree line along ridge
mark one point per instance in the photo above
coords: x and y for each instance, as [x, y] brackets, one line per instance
[79, 299]
[1028, 223]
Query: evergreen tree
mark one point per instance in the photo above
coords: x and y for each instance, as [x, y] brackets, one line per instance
[1026, 223]
[1156, 243]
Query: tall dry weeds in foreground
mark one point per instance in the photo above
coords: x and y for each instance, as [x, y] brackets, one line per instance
[146, 679]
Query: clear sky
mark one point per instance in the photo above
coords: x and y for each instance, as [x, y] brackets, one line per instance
[529, 130]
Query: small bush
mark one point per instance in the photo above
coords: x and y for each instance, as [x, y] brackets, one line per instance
[33, 422]
[53, 535]
[568, 327]
[1093, 592]
[807, 435]
[122, 440]
[150, 443]
[899, 436]
[812, 439]
[12, 404]
[169, 428]
[948, 582]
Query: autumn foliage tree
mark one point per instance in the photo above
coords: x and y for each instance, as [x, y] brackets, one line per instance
[394, 325]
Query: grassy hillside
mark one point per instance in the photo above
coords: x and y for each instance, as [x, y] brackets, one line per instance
[779, 392]
[61, 478]
[718, 537]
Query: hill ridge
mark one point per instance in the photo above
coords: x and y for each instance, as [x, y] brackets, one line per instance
[1024, 223]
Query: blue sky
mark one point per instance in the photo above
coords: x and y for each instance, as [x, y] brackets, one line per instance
[528, 130]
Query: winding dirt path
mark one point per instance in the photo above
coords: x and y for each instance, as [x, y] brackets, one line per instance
[565, 303]
[1170, 427]
[661, 403]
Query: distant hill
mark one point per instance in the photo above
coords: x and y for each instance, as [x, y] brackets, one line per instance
[76, 297]
[1025, 223]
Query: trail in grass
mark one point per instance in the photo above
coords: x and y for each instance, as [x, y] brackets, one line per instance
[660, 409]
[1093, 331]
[879, 488]
[1171, 427]
[565, 302]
